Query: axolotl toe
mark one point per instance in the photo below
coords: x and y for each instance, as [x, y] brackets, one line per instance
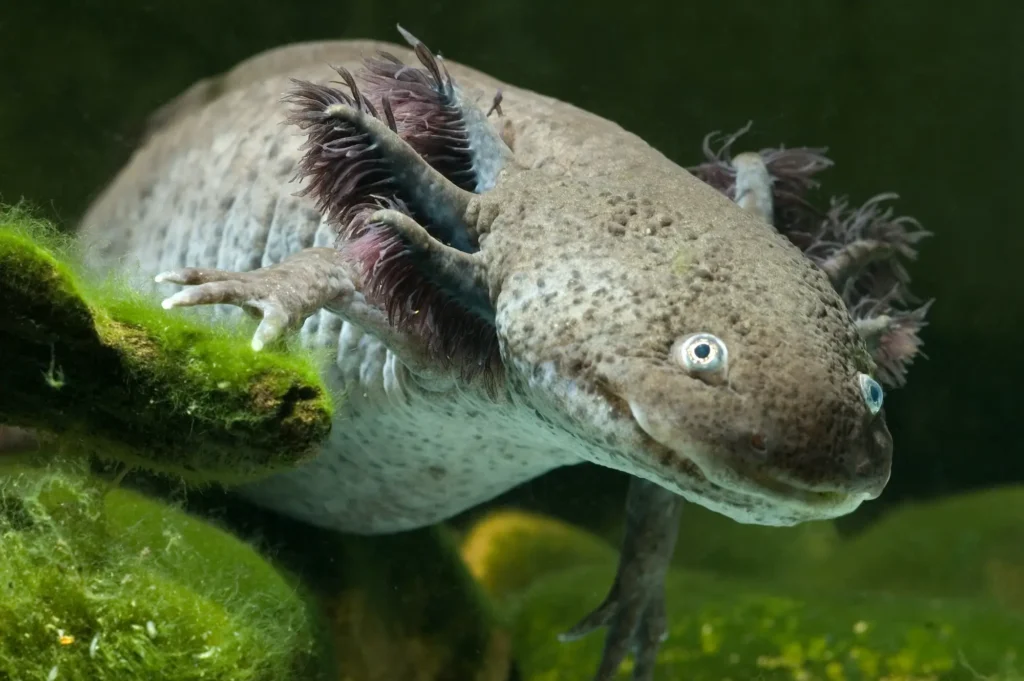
[505, 290]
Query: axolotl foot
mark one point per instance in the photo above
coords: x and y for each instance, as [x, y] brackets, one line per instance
[634, 610]
[282, 295]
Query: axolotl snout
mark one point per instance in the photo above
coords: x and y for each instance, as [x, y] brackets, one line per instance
[697, 349]
[504, 295]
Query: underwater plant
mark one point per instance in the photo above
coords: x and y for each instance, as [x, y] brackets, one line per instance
[95, 363]
[107, 584]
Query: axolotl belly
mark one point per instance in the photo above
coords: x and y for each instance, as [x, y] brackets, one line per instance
[505, 290]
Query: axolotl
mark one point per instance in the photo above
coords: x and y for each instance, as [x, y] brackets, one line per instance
[502, 294]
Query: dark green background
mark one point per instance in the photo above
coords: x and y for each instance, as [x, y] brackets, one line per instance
[922, 98]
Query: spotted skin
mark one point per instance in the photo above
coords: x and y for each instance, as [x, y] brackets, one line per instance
[600, 255]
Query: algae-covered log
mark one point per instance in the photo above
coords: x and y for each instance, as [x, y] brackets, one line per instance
[111, 372]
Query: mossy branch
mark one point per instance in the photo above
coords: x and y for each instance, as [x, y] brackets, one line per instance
[116, 376]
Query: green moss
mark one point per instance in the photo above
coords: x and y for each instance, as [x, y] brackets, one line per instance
[767, 625]
[110, 371]
[105, 587]
[508, 550]
[726, 629]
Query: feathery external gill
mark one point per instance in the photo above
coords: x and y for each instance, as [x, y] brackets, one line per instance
[861, 249]
[351, 177]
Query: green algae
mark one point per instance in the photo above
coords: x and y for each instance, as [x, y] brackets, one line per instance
[507, 550]
[330, 606]
[103, 584]
[106, 369]
[732, 629]
[771, 618]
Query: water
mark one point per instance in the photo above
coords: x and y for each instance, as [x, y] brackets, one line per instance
[925, 582]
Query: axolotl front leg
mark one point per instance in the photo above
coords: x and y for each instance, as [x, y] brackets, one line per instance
[634, 610]
[283, 295]
[355, 279]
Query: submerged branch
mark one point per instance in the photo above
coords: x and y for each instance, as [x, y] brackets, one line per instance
[117, 379]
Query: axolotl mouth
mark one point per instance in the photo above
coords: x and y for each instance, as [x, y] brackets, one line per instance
[754, 488]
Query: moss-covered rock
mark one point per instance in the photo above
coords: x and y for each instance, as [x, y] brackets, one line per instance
[111, 371]
[725, 629]
[732, 628]
[507, 550]
[103, 584]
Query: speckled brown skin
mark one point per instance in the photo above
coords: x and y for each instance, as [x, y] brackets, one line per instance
[598, 255]
[596, 276]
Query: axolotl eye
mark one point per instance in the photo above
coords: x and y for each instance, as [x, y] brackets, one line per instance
[702, 354]
[872, 392]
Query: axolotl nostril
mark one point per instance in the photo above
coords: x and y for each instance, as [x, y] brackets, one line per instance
[509, 289]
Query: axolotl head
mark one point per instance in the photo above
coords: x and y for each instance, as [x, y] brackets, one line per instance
[651, 324]
[687, 342]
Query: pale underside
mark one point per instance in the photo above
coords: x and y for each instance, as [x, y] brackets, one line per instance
[213, 187]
